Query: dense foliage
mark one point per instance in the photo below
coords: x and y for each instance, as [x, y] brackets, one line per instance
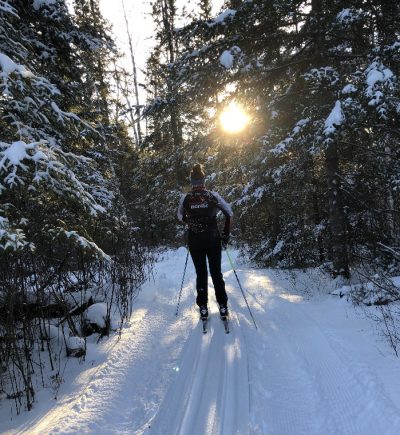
[314, 178]
[66, 240]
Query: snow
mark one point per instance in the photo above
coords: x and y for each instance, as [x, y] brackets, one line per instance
[85, 243]
[370, 290]
[97, 313]
[348, 89]
[61, 114]
[37, 4]
[348, 15]
[226, 59]
[12, 238]
[378, 77]
[376, 74]
[315, 366]
[51, 332]
[12, 157]
[15, 153]
[299, 125]
[8, 66]
[278, 247]
[334, 119]
[281, 147]
[220, 19]
[6, 7]
[74, 343]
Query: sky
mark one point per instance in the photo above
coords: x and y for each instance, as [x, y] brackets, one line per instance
[140, 25]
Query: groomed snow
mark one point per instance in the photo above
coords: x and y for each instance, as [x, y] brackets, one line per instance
[315, 365]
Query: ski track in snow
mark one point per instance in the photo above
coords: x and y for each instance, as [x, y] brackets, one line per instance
[312, 367]
[312, 386]
[211, 394]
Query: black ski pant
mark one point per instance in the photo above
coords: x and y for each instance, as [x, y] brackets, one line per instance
[203, 246]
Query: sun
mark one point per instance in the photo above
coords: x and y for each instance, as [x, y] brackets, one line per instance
[233, 119]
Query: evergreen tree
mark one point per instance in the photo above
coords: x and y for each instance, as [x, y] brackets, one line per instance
[320, 84]
[63, 219]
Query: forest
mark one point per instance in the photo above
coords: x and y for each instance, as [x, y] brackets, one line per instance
[91, 173]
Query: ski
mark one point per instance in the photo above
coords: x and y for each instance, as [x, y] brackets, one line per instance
[226, 324]
[204, 325]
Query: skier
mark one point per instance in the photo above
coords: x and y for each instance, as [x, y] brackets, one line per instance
[199, 209]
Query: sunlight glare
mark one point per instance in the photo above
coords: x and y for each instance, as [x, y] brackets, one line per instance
[233, 119]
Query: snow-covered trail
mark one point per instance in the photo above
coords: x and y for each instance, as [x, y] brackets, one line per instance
[316, 379]
[211, 392]
[315, 366]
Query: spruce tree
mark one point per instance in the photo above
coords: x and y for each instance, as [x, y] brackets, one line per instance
[63, 221]
[319, 84]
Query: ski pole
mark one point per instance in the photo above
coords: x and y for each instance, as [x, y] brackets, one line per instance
[244, 296]
[183, 279]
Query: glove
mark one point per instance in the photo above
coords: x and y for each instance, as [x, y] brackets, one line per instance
[225, 239]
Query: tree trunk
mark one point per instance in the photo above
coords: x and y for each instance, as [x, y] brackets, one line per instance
[336, 215]
[135, 120]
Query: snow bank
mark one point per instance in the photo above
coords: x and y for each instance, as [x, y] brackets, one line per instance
[371, 293]
[97, 314]
[75, 346]
[75, 342]
[51, 332]
[163, 283]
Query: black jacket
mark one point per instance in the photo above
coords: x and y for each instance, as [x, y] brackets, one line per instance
[199, 209]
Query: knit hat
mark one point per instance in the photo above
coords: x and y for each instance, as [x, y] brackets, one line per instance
[197, 176]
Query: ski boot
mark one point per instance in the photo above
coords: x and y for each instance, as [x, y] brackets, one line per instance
[223, 311]
[203, 313]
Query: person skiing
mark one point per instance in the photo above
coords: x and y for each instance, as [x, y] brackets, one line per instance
[199, 209]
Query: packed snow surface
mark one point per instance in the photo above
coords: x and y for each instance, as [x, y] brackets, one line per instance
[314, 366]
